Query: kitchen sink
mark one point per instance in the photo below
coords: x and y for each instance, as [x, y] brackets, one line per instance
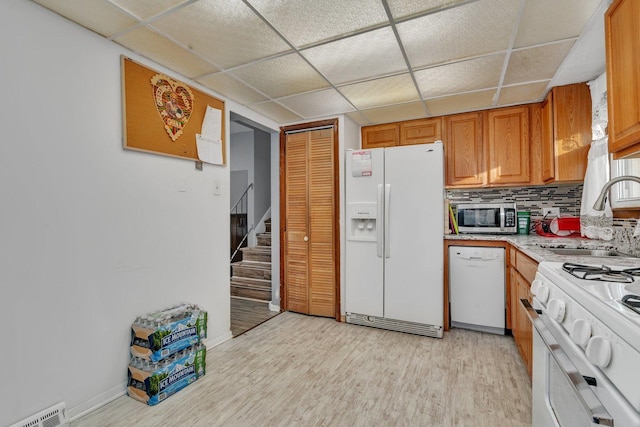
[588, 252]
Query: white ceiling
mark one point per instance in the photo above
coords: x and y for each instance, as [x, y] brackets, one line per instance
[374, 60]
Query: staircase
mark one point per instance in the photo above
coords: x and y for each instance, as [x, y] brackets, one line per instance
[251, 277]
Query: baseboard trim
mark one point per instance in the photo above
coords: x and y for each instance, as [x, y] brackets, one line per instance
[274, 307]
[97, 402]
[216, 341]
[109, 396]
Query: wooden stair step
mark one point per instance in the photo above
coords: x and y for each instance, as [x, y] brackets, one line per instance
[254, 294]
[254, 269]
[251, 282]
[257, 253]
[264, 239]
[251, 288]
[267, 225]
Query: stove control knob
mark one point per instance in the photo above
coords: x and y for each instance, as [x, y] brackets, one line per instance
[598, 351]
[581, 332]
[542, 293]
[556, 309]
[535, 286]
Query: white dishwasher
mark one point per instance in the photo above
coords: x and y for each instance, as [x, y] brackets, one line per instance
[477, 288]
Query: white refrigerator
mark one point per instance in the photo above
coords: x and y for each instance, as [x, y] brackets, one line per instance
[394, 238]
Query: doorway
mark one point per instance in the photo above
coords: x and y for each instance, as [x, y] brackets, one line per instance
[309, 202]
[251, 296]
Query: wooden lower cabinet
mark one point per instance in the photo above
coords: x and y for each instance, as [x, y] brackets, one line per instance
[522, 270]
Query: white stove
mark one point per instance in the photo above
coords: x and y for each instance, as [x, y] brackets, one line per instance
[583, 315]
[602, 298]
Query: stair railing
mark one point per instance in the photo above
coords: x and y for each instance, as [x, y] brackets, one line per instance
[241, 227]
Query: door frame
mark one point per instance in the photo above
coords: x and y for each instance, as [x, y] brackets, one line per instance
[336, 197]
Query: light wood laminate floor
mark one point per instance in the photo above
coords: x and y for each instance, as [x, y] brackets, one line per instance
[308, 371]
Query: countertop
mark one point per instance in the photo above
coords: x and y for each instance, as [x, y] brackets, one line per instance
[534, 246]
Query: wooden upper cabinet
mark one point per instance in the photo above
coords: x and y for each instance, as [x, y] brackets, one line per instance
[566, 133]
[421, 131]
[378, 136]
[463, 150]
[548, 165]
[507, 143]
[622, 41]
[571, 131]
[409, 132]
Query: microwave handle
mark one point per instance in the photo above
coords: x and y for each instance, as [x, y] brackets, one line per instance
[595, 410]
[502, 220]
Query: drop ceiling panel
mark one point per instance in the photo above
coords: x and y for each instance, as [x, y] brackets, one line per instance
[99, 16]
[522, 94]
[304, 22]
[394, 113]
[464, 76]
[166, 52]
[276, 112]
[567, 20]
[402, 8]
[358, 118]
[225, 32]
[232, 88]
[318, 104]
[385, 91]
[367, 55]
[461, 103]
[264, 52]
[145, 9]
[281, 76]
[474, 29]
[537, 63]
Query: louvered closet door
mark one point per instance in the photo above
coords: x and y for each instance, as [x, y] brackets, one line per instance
[310, 276]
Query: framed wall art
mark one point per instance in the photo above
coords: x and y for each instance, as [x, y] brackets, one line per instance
[165, 116]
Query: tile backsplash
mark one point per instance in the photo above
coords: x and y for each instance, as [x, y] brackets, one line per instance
[566, 197]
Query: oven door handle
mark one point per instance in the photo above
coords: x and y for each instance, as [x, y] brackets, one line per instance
[586, 396]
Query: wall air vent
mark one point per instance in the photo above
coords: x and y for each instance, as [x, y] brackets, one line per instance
[51, 417]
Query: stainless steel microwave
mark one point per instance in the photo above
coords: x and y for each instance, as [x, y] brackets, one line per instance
[487, 218]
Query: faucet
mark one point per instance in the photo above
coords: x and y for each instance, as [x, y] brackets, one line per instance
[599, 204]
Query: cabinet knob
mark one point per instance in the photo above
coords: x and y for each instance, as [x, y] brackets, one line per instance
[306, 239]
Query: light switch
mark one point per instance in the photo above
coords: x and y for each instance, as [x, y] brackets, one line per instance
[217, 190]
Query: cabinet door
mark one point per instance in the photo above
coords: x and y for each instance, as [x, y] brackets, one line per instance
[421, 131]
[524, 334]
[548, 146]
[622, 41]
[508, 146]
[463, 150]
[386, 135]
[571, 131]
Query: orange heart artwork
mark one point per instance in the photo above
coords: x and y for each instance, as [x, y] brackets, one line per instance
[174, 102]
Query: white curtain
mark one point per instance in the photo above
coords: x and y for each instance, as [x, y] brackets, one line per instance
[595, 224]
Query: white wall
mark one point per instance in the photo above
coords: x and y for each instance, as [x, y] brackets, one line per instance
[91, 235]
[241, 158]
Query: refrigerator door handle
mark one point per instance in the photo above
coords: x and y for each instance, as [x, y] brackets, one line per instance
[387, 193]
[379, 221]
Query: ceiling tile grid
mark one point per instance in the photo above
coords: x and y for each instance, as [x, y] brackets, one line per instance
[281, 76]
[463, 76]
[364, 56]
[226, 32]
[305, 22]
[375, 60]
[318, 104]
[164, 51]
